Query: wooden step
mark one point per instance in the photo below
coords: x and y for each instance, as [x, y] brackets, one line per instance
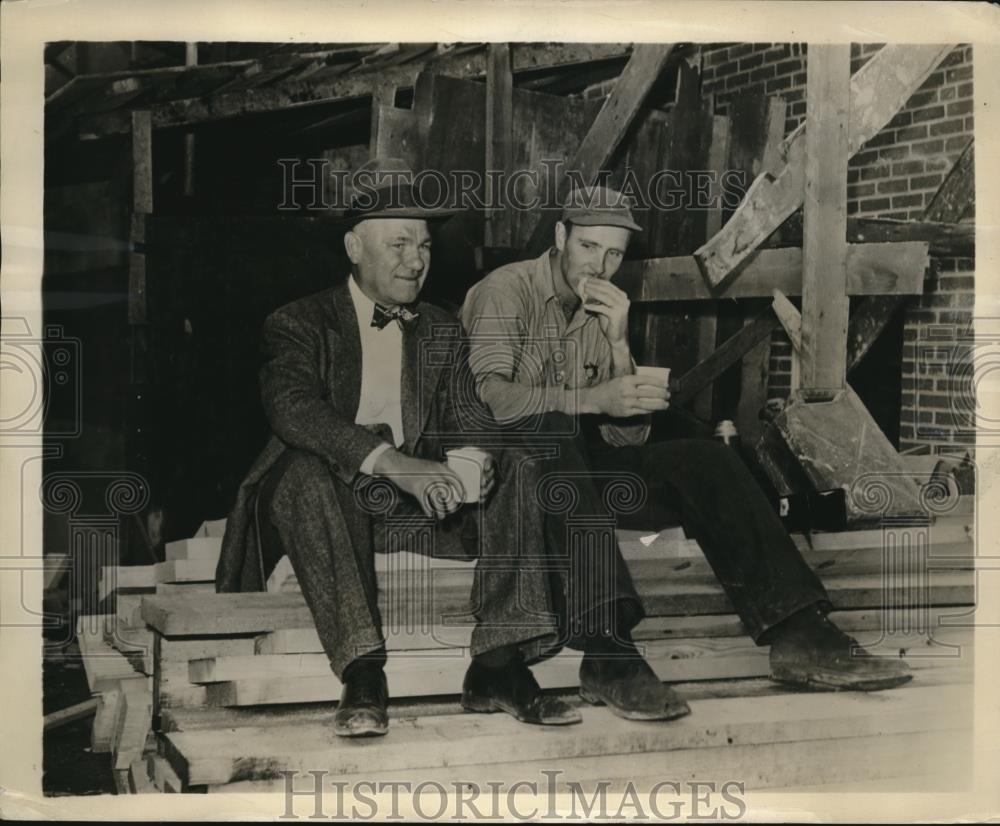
[303, 678]
[758, 766]
[675, 593]
[185, 718]
[222, 756]
[306, 640]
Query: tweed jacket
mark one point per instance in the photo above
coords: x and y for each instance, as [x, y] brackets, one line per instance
[310, 385]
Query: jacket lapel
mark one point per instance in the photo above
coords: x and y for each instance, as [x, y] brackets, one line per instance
[345, 353]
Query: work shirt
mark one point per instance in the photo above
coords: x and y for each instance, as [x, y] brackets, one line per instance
[381, 374]
[527, 358]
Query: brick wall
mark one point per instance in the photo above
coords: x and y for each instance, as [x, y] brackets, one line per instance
[894, 175]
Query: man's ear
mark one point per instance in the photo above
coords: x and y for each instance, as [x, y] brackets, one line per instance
[561, 234]
[354, 246]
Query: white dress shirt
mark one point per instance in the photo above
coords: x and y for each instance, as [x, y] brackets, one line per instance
[381, 374]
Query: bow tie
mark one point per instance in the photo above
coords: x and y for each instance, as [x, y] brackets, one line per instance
[382, 315]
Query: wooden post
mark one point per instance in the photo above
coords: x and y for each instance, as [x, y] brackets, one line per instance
[499, 139]
[825, 303]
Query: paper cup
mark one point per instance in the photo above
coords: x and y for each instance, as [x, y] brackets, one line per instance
[467, 463]
[661, 373]
[581, 288]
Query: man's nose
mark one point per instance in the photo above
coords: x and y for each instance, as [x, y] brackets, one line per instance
[414, 260]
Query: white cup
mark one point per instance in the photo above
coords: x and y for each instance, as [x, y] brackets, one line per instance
[468, 463]
[581, 288]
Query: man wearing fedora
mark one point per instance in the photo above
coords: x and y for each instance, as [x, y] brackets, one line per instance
[548, 344]
[360, 423]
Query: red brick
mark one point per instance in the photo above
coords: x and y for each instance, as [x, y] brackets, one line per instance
[960, 107]
[894, 153]
[965, 90]
[893, 185]
[871, 172]
[918, 99]
[946, 127]
[926, 181]
[961, 73]
[737, 80]
[778, 84]
[956, 144]
[908, 167]
[862, 190]
[970, 124]
[852, 207]
[930, 113]
[885, 138]
[763, 73]
[716, 57]
[875, 204]
[947, 92]
[907, 201]
[779, 52]
[927, 147]
[958, 282]
[740, 49]
[863, 158]
[912, 133]
[799, 79]
[751, 61]
[788, 66]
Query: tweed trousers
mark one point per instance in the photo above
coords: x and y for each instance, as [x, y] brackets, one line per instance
[523, 592]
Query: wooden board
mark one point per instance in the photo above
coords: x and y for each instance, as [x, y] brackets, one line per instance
[211, 757]
[878, 90]
[198, 547]
[825, 304]
[186, 570]
[608, 129]
[872, 269]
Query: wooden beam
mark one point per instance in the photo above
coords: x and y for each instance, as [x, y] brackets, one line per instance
[608, 129]
[354, 84]
[499, 139]
[878, 90]
[727, 354]
[957, 194]
[71, 714]
[943, 239]
[872, 269]
[825, 304]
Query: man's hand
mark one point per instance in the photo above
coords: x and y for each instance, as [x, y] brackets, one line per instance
[433, 484]
[611, 304]
[626, 396]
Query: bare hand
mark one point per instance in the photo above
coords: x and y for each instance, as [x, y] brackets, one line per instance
[631, 395]
[611, 304]
[434, 485]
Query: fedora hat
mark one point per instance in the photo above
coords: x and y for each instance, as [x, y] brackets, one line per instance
[384, 188]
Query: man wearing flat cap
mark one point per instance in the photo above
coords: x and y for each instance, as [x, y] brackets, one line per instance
[360, 422]
[549, 346]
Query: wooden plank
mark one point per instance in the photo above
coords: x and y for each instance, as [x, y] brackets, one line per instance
[825, 304]
[212, 527]
[499, 137]
[759, 766]
[886, 269]
[71, 714]
[165, 779]
[354, 84]
[956, 196]
[104, 720]
[394, 134]
[727, 354]
[203, 757]
[130, 740]
[139, 779]
[199, 547]
[943, 239]
[866, 324]
[674, 592]
[186, 570]
[878, 90]
[935, 672]
[608, 129]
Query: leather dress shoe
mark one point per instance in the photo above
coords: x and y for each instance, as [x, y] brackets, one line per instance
[629, 687]
[512, 688]
[363, 708]
[812, 651]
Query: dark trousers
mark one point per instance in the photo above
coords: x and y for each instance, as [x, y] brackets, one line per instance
[706, 488]
[329, 531]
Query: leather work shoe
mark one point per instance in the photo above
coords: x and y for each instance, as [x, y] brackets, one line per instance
[364, 701]
[629, 687]
[512, 688]
[813, 651]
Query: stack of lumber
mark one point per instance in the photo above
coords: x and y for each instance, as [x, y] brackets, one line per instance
[243, 691]
[117, 653]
